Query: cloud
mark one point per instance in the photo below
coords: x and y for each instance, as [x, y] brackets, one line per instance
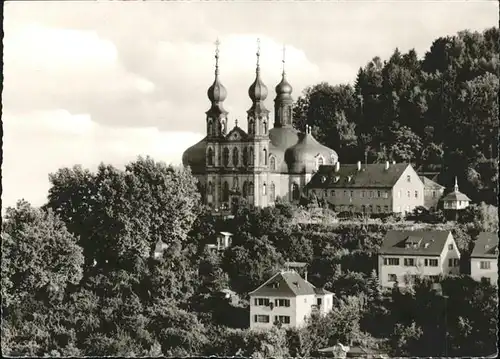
[41, 142]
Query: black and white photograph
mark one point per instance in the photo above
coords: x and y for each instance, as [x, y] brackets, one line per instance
[254, 179]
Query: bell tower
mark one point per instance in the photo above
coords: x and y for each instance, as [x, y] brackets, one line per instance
[258, 133]
[283, 103]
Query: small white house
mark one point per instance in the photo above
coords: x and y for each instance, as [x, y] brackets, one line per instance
[484, 258]
[456, 200]
[223, 241]
[288, 299]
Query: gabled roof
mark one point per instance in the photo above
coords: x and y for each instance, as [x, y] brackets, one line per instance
[456, 196]
[236, 134]
[370, 176]
[430, 184]
[288, 283]
[430, 243]
[321, 291]
[486, 245]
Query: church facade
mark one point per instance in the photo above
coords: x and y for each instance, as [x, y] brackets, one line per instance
[262, 165]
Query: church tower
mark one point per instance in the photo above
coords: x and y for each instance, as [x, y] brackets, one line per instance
[258, 136]
[283, 102]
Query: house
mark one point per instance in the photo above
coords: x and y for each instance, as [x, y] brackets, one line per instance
[288, 299]
[223, 242]
[456, 200]
[370, 188]
[160, 247]
[405, 255]
[484, 257]
[433, 192]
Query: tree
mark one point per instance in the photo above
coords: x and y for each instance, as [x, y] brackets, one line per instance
[251, 263]
[41, 261]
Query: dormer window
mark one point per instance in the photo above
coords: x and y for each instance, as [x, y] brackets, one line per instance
[349, 178]
[336, 179]
[323, 179]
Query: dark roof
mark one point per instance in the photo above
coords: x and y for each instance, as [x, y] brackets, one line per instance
[288, 283]
[422, 242]
[370, 176]
[195, 156]
[430, 184]
[301, 158]
[486, 245]
[456, 196]
[321, 291]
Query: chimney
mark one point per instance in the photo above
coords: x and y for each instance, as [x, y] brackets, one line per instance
[386, 165]
[359, 165]
[337, 166]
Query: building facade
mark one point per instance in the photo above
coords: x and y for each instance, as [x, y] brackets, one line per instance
[405, 255]
[433, 193]
[287, 299]
[484, 258]
[370, 188]
[261, 165]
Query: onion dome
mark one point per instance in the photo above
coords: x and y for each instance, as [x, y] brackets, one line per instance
[283, 89]
[195, 157]
[217, 92]
[258, 91]
[305, 156]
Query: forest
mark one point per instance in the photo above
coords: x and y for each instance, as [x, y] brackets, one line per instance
[79, 275]
[439, 113]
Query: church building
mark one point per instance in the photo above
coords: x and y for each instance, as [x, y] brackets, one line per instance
[262, 165]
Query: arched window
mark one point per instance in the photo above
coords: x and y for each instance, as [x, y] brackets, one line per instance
[236, 184]
[319, 162]
[272, 192]
[209, 127]
[264, 154]
[250, 156]
[272, 163]
[245, 156]
[295, 192]
[235, 157]
[250, 189]
[210, 188]
[210, 157]
[250, 126]
[225, 157]
[225, 192]
[264, 189]
[245, 189]
[265, 127]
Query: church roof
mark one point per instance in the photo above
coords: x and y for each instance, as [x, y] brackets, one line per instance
[348, 176]
[195, 156]
[486, 245]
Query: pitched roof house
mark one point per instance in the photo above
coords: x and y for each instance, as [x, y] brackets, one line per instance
[288, 299]
[406, 254]
[370, 188]
[484, 257]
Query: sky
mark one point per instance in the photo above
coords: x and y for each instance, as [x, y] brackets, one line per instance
[107, 81]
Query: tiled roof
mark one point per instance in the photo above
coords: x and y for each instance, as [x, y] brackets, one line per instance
[414, 242]
[321, 291]
[428, 183]
[486, 245]
[456, 196]
[370, 176]
[288, 283]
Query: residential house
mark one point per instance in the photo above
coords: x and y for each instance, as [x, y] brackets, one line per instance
[456, 200]
[372, 188]
[484, 257]
[433, 192]
[405, 255]
[160, 247]
[223, 241]
[288, 299]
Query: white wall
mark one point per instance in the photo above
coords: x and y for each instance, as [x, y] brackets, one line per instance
[477, 273]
